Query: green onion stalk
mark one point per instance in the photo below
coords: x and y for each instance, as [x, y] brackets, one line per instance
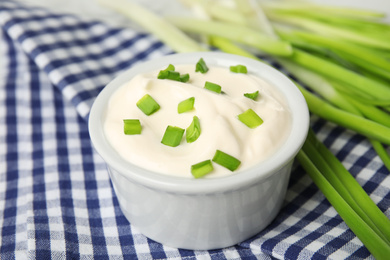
[234, 32]
[343, 33]
[173, 37]
[345, 194]
[349, 80]
[349, 117]
[349, 83]
[368, 58]
[379, 248]
[326, 90]
[318, 10]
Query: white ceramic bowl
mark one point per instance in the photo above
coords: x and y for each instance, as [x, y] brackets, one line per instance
[202, 213]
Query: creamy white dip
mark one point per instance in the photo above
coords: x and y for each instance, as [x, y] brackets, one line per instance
[217, 113]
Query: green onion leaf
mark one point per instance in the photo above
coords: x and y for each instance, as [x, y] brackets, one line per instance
[213, 87]
[226, 160]
[239, 69]
[186, 105]
[193, 131]
[148, 105]
[201, 66]
[172, 136]
[253, 95]
[132, 126]
[201, 169]
[250, 118]
[185, 78]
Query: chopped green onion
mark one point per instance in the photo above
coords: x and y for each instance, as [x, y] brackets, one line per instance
[250, 118]
[201, 66]
[226, 160]
[201, 169]
[163, 73]
[253, 95]
[170, 67]
[239, 69]
[169, 74]
[193, 131]
[186, 105]
[172, 136]
[185, 77]
[132, 126]
[212, 86]
[148, 105]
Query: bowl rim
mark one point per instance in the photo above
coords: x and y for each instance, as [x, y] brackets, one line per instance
[167, 183]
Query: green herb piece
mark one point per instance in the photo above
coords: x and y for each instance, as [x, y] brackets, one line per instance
[132, 126]
[185, 78]
[250, 118]
[163, 74]
[186, 105]
[253, 95]
[201, 169]
[169, 74]
[201, 66]
[226, 160]
[172, 136]
[148, 105]
[170, 67]
[239, 69]
[193, 131]
[213, 87]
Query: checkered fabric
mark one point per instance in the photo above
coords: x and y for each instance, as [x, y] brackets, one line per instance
[56, 199]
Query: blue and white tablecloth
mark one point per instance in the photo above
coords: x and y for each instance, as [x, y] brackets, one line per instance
[56, 199]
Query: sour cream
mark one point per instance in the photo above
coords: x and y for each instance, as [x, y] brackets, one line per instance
[217, 113]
